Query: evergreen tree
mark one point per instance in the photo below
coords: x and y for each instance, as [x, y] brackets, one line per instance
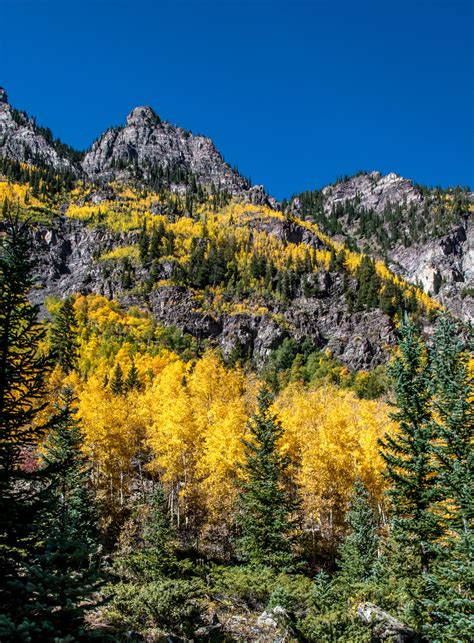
[413, 479]
[358, 552]
[22, 371]
[451, 581]
[64, 344]
[265, 509]
[116, 385]
[64, 573]
[151, 554]
[144, 245]
[368, 284]
[132, 381]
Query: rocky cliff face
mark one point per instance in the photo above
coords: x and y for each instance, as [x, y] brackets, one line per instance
[21, 140]
[444, 267]
[148, 142]
[69, 261]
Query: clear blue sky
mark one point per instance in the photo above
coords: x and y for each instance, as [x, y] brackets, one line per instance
[294, 93]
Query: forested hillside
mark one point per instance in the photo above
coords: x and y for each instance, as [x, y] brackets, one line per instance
[217, 421]
[424, 234]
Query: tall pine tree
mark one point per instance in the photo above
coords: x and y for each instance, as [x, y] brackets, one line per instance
[359, 550]
[63, 574]
[266, 510]
[410, 472]
[451, 581]
[64, 344]
[22, 398]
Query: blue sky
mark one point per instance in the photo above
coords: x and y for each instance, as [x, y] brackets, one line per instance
[294, 93]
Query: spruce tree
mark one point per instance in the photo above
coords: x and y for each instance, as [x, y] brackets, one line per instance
[132, 381]
[116, 385]
[451, 581]
[411, 475]
[144, 245]
[64, 344]
[22, 398]
[63, 575]
[358, 552]
[266, 510]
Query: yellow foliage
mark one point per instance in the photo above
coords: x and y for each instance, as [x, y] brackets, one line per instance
[331, 436]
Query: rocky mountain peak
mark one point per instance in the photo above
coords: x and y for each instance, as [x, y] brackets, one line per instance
[142, 116]
[146, 142]
[3, 96]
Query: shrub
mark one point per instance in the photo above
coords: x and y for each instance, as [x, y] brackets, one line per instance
[167, 604]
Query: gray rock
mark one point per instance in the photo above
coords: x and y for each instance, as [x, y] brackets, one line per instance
[21, 140]
[385, 626]
[147, 141]
[265, 619]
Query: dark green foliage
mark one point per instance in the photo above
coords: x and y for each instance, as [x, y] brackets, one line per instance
[172, 605]
[411, 474]
[144, 245]
[117, 384]
[152, 555]
[368, 284]
[132, 381]
[451, 581]
[358, 552]
[266, 511]
[63, 342]
[59, 581]
[127, 273]
[329, 616]
[44, 181]
[22, 397]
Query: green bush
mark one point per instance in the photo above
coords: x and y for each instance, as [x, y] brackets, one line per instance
[167, 604]
[259, 587]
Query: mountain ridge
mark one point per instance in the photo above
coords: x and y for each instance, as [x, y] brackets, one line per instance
[424, 235]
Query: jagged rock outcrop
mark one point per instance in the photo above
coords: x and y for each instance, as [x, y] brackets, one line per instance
[444, 267]
[147, 142]
[385, 626]
[373, 191]
[21, 140]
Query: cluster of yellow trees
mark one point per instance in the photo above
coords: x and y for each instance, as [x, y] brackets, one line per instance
[185, 421]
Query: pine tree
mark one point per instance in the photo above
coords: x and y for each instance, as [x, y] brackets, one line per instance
[152, 554]
[451, 581]
[63, 575]
[132, 381]
[358, 552]
[410, 472]
[22, 398]
[64, 344]
[144, 245]
[116, 385]
[265, 509]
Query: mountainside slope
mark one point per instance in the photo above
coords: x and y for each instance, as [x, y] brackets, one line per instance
[151, 173]
[423, 234]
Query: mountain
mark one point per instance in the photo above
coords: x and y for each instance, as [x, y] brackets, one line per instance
[150, 148]
[160, 221]
[423, 234]
[146, 148]
[22, 140]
